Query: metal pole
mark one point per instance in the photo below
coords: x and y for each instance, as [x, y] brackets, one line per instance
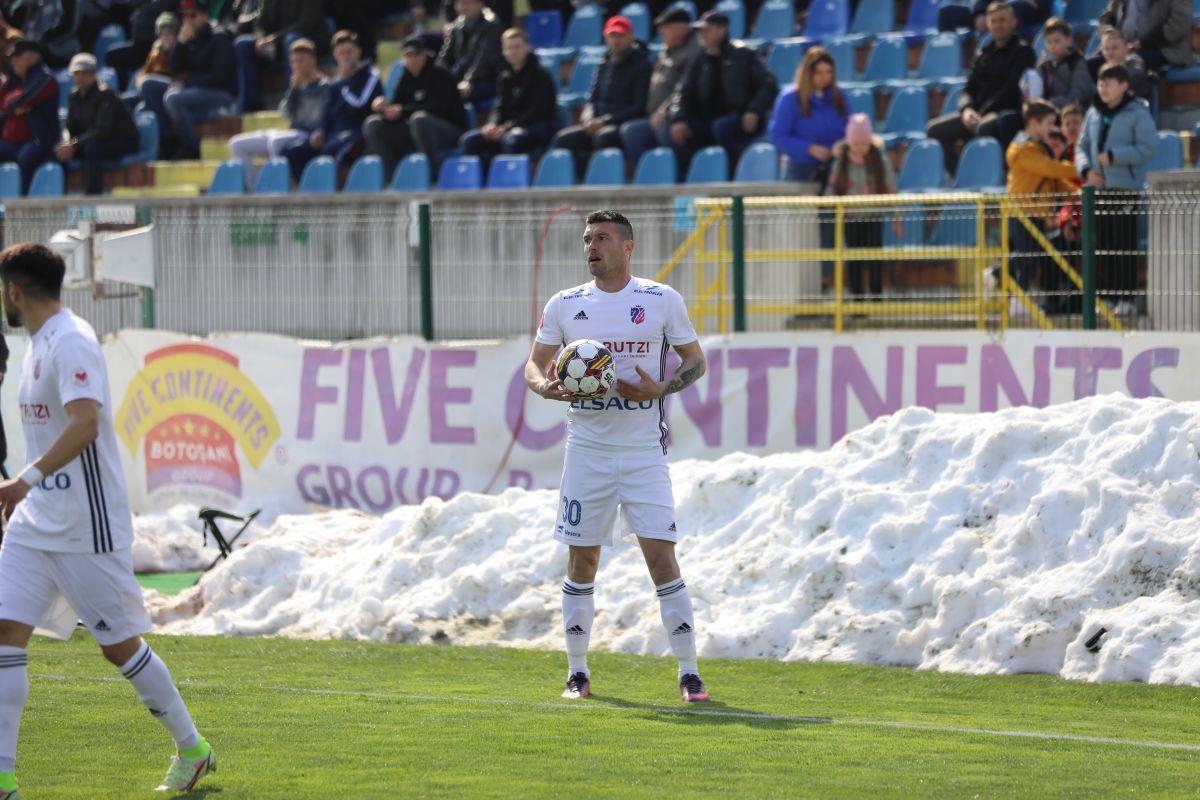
[426, 261]
[1088, 242]
[143, 217]
[739, 265]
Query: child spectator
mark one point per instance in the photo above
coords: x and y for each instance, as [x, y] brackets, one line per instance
[99, 123]
[809, 118]
[1064, 71]
[1115, 50]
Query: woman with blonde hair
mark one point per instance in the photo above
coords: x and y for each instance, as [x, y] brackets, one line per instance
[810, 116]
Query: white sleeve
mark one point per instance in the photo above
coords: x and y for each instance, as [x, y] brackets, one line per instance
[679, 329]
[80, 370]
[549, 330]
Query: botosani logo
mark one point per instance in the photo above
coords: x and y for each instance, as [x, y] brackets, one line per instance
[190, 407]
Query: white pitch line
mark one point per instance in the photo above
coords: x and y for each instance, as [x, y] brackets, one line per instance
[689, 712]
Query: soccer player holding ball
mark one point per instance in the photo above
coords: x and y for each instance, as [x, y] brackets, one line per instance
[616, 452]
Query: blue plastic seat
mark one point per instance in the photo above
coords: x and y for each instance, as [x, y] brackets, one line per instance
[785, 58]
[366, 175]
[736, 11]
[874, 17]
[950, 104]
[923, 168]
[412, 174]
[639, 17]
[48, 181]
[826, 18]
[10, 180]
[776, 20]
[148, 141]
[273, 178]
[555, 170]
[888, 61]
[319, 176]
[1039, 45]
[861, 101]
[607, 168]
[922, 14]
[759, 164]
[1169, 154]
[585, 27]
[509, 172]
[65, 85]
[1083, 12]
[842, 51]
[942, 58]
[655, 168]
[395, 73]
[581, 82]
[957, 225]
[907, 115]
[109, 35]
[981, 166]
[461, 174]
[230, 178]
[544, 28]
[709, 165]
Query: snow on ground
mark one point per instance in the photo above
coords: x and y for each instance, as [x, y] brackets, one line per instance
[987, 543]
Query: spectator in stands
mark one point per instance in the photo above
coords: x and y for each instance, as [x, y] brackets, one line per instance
[425, 114]
[990, 104]
[156, 76]
[205, 58]
[809, 117]
[1118, 140]
[277, 24]
[303, 106]
[680, 48]
[53, 24]
[1071, 124]
[618, 95]
[861, 167]
[8, 37]
[471, 50]
[28, 110]
[1159, 30]
[99, 123]
[1115, 50]
[128, 56]
[350, 98]
[1030, 14]
[1063, 71]
[526, 112]
[724, 98]
[1038, 179]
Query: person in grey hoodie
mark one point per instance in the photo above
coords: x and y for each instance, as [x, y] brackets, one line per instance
[1118, 140]
[1064, 71]
[302, 106]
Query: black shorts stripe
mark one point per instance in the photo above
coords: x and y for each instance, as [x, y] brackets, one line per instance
[101, 530]
[100, 494]
[91, 498]
[662, 411]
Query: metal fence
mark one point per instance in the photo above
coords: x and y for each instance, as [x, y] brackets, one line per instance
[346, 266]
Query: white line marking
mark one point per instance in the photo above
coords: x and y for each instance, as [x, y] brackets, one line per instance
[690, 712]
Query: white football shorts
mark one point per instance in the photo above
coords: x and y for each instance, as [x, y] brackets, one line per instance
[595, 486]
[52, 591]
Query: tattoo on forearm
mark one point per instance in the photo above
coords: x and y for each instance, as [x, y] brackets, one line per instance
[685, 377]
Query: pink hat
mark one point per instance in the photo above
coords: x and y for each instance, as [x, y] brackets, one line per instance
[858, 129]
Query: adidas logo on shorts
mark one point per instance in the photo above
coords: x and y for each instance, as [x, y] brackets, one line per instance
[581, 315]
[102, 626]
[672, 528]
[683, 629]
[576, 630]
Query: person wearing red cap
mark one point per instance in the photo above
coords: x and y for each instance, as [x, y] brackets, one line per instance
[618, 95]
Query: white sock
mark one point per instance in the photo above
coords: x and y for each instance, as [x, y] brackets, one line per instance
[579, 609]
[14, 689]
[152, 680]
[675, 604]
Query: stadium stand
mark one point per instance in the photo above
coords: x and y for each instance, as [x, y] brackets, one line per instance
[509, 172]
[230, 178]
[555, 170]
[366, 175]
[656, 167]
[412, 175]
[10, 180]
[274, 178]
[759, 164]
[461, 174]
[319, 176]
[710, 165]
[48, 181]
[606, 168]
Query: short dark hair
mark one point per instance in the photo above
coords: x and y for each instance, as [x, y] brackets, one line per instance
[999, 5]
[1072, 108]
[343, 36]
[1057, 25]
[1113, 72]
[34, 267]
[615, 217]
[1038, 110]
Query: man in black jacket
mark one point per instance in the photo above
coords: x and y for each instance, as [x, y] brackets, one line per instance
[990, 104]
[618, 95]
[425, 113]
[277, 24]
[206, 56]
[526, 113]
[99, 123]
[725, 97]
[471, 50]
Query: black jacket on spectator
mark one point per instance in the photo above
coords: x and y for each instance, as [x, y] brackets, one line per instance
[745, 84]
[619, 86]
[434, 91]
[1167, 26]
[304, 17]
[527, 96]
[995, 80]
[99, 114]
[208, 60]
[471, 51]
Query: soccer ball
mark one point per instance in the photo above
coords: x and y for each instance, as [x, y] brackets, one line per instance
[586, 368]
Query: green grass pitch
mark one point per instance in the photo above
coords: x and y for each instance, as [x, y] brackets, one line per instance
[295, 719]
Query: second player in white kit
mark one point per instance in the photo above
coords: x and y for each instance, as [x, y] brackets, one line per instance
[615, 460]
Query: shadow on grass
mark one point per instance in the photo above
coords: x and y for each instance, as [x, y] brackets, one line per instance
[712, 712]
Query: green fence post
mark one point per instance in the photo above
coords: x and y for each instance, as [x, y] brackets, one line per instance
[426, 257]
[1088, 243]
[143, 217]
[739, 265]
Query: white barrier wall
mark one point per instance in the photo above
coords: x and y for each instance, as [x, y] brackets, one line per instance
[246, 419]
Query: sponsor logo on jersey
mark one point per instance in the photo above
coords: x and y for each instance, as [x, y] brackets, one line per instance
[618, 403]
[651, 290]
[637, 315]
[190, 409]
[633, 348]
[574, 294]
[35, 413]
[581, 315]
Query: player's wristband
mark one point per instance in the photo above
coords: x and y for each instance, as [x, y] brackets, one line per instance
[32, 476]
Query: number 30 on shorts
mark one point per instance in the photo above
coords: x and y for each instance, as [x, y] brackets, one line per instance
[572, 511]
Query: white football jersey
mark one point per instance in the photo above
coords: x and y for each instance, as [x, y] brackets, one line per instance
[82, 508]
[639, 324]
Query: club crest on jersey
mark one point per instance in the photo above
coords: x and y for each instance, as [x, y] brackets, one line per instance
[37, 369]
[81, 377]
[637, 315]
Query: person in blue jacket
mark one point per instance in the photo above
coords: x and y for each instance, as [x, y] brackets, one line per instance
[350, 98]
[809, 117]
[29, 126]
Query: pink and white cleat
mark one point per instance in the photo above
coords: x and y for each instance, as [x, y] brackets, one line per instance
[578, 687]
[691, 689]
